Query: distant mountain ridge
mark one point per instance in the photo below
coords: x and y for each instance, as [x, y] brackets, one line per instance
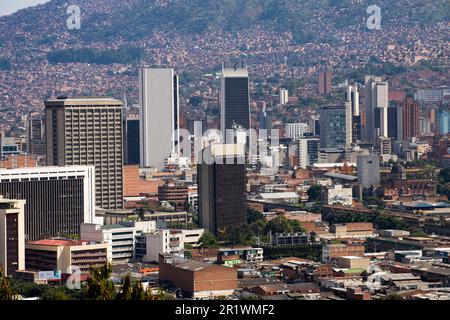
[105, 20]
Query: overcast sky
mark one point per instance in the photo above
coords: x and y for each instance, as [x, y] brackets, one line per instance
[11, 6]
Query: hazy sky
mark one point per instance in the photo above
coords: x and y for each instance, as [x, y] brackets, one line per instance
[11, 6]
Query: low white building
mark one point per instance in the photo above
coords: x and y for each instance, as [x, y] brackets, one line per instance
[165, 241]
[120, 237]
[338, 195]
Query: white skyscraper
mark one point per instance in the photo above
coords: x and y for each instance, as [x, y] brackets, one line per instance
[353, 97]
[377, 102]
[158, 97]
[284, 97]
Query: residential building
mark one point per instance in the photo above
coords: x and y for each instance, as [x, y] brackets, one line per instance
[325, 83]
[232, 256]
[330, 251]
[411, 116]
[296, 130]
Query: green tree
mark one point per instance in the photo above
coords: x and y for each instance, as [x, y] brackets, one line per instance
[125, 292]
[6, 290]
[99, 287]
[278, 225]
[137, 292]
[253, 215]
[314, 193]
[208, 240]
[56, 293]
[296, 226]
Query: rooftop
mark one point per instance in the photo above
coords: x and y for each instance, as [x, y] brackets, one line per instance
[59, 242]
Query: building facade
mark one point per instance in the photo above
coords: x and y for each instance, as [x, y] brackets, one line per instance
[131, 141]
[88, 131]
[58, 199]
[12, 239]
[336, 126]
[234, 98]
[159, 128]
[221, 188]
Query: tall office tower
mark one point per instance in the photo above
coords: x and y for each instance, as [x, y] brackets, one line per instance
[395, 123]
[12, 236]
[368, 170]
[336, 126]
[159, 100]
[411, 118]
[444, 121]
[352, 96]
[234, 98]
[36, 136]
[221, 187]
[376, 94]
[325, 82]
[296, 130]
[88, 131]
[131, 139]
[284, 97]
[308, 152]
[58, 199]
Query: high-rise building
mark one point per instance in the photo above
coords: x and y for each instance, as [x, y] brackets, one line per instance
[159, 131]
[131, 140]
[368, 170]
[308, 152]
[352, 96]
[12, 235]
[234, 98]
[36, 136]
[88, 131]
[395, 123]
[221, 187]
[336, 126]
[411, 119]
[58, 199]
[296, 130]
[284, 97]
[325, 82]
[377, 96]
[444, 122]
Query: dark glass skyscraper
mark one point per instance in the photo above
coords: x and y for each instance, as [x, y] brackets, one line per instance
[132, 141]
[221, 188]
[235, 98]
